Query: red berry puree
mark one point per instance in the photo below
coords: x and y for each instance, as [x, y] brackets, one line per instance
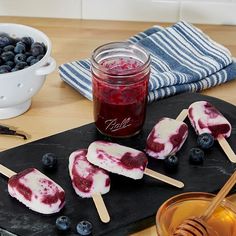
[119, 108]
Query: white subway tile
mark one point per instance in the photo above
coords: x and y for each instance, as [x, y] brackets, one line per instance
[137, 10]
[208, 12]
[42, 8]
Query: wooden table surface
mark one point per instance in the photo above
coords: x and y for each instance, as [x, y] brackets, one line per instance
[58, 107]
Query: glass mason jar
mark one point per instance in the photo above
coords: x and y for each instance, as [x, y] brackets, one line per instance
[120, 75]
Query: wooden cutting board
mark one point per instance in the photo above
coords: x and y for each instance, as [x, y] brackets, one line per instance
[132, 204]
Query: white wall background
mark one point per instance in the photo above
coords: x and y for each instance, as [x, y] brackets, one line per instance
[195, 11]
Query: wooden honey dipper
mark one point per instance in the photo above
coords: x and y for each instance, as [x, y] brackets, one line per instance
[197, 226]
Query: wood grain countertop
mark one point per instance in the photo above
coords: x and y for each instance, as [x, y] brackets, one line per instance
[58, 107]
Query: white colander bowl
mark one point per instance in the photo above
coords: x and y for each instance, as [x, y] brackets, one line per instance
[17, 88]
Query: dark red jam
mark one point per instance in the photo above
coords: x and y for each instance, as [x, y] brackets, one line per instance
[120, 108]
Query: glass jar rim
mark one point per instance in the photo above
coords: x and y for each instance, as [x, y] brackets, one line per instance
[130, 72]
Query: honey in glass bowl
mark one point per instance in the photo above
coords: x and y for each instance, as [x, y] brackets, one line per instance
[180, 207]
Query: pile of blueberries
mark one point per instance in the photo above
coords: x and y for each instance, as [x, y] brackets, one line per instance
[19, 53]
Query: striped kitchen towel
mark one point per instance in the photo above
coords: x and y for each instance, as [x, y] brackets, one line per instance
[183, 59]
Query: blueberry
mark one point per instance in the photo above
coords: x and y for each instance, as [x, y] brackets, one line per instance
[28, 54]
[10, 63]
[9, 48]
[37, 49]
[27, 41]
[49, 161]
[205, 141]
[171, 162]
[33, 61]
[14, 69]
[8, 56]
[84, 227]
[21, 65]
[20, 57]
[5, 69]
[63, 223]
[39, 57]
[29, 59]
[196, 155]
[20, 48]
[4, 41]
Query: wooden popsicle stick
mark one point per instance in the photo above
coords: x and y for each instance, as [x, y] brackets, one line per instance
[182, 115]
[164, 178]
[7, 172]
[101, 207]
[226, 148]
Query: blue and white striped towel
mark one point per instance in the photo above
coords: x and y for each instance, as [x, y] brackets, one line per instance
[184, 59]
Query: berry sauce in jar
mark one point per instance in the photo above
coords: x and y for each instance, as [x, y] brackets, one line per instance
[120, 87]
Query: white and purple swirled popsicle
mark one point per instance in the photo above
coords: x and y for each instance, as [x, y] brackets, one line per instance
[205, 118]
[166, 138]
[86, 178]
[117, 159]
[36, 191]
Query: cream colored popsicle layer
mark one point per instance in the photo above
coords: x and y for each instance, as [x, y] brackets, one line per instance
[166, 138]
[36, 191]
[86, 178]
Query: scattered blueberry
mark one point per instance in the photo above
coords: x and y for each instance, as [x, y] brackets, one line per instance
[20, 48]
[171, 162]
[49, 161]
[84, 227]
[196, 155]
[63, 223]
[8, 56]
[20, 58]
[205, 141]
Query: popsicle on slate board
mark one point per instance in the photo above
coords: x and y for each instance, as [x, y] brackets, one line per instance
[89, 181]
[124, 161]
[167, 136]
[205, 118]
[35, 190]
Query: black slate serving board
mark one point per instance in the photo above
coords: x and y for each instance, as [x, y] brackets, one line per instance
[132, 204]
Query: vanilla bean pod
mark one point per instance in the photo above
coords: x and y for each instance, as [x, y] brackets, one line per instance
[7, 131]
